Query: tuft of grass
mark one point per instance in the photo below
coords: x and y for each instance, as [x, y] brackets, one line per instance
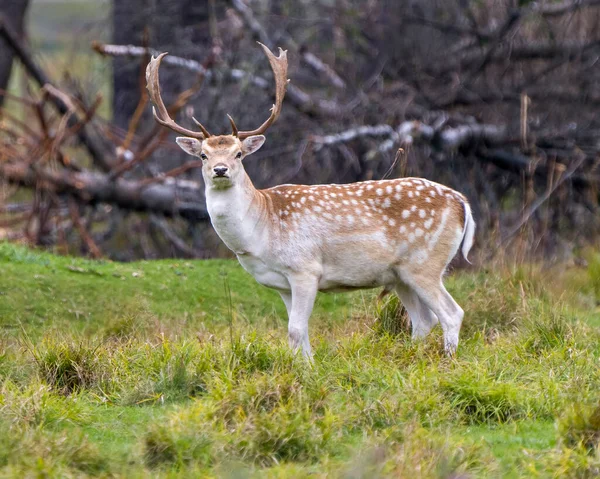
[581, 428]
[547, 329]
[481, 399]
[70, 367]
[391, 317]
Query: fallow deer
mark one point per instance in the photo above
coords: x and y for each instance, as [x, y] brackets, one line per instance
[299, 239]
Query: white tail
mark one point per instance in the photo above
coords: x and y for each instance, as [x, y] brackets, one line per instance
[468, 232]
[298, 239]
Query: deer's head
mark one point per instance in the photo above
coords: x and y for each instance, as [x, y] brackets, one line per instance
[221, 155]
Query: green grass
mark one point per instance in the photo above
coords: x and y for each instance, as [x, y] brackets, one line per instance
[152, 369]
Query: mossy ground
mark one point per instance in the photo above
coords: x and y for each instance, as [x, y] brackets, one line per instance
[153, 368]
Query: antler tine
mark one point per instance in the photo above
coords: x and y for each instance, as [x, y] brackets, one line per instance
[234, 130]
[202, 129]
[162, 117]
[279, 66]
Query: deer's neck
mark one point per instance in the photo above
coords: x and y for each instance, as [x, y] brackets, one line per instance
[238, 214]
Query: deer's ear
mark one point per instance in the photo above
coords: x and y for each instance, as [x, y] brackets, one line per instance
[190, 145]
[253, 143]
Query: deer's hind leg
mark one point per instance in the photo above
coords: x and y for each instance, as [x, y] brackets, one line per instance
[432, 294]
[422, 318]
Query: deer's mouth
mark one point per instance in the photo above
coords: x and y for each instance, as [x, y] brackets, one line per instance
[221, 178]
[221, 182]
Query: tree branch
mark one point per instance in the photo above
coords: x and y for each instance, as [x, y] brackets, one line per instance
[96, 150]
[172, 197]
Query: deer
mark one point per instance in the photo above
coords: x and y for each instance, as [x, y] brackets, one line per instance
[399, 234]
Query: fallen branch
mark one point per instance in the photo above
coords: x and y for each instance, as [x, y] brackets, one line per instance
[170, 198]
[410, 132]
[135, 51]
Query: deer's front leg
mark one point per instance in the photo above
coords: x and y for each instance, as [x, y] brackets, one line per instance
[304, 292]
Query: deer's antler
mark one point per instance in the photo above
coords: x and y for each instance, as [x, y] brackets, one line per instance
[279, 66]
[162, 117]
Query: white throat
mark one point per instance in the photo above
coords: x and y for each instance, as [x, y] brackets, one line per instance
[236, 215]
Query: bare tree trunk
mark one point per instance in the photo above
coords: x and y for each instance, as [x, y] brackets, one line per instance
[13, 12]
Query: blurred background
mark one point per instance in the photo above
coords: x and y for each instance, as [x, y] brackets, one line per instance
[496, 98]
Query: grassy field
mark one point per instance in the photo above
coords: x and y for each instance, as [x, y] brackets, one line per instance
[181, 369]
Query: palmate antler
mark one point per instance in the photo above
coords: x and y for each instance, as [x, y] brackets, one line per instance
[153, 85]
[278, 65]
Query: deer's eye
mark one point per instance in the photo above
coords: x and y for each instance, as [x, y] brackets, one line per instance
[203, 156]
[239, 155]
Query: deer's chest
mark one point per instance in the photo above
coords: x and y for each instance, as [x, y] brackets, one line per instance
[264, 274]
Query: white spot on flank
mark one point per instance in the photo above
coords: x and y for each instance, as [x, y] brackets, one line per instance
[397, 196]
[413, 208]
[428, 200]
[420, 187]
[432, 192]
[379, 191]
[413, 224]
[386, 203]
[338, 217]
[350, 219]
[427, 224]
[392, 222]
[388, 189]
[405, 214]
[398, 188]
[403, 229]
[333, 195]
[317, 209]
[419, 232]
[432, 212]
[410, 194]
[422, 213]
[359, 193]
[311, 198]
[369, 187]
[303, 200]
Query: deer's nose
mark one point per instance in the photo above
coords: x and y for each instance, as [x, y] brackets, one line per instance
[220, 170]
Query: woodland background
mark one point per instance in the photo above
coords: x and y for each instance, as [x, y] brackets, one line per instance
[496, 98]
